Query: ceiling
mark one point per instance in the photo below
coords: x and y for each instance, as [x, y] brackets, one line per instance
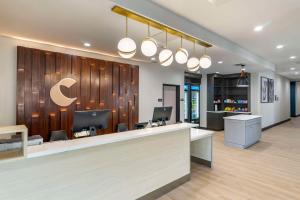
[73, 22]
[235, 20]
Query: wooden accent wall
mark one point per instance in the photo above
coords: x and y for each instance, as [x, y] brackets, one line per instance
[100, 85]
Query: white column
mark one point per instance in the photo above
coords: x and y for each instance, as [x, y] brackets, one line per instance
[203, 101]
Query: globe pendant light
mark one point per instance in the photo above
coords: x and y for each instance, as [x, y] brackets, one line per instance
[242, 81]
[126, 46]
[205, 60]
[166, 56]
[181, 55]
[193, 62]
[149, 45]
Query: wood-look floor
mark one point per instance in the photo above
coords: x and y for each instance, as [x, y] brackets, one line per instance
[269, 169]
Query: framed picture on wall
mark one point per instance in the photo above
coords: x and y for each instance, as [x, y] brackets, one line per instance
[264, 83]
[271, 90]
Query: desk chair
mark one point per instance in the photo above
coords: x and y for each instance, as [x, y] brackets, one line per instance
[58, 135]
[121, 127]
[140, 125]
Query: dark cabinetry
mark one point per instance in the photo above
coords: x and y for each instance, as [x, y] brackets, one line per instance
[224, 99]
[224, 94]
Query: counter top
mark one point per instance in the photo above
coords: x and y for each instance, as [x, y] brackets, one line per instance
[223, 111]
[243, 117]
[50, 148]
[197, 134]
[12, 129]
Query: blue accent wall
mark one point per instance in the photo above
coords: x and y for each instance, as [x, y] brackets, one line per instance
[293, 99]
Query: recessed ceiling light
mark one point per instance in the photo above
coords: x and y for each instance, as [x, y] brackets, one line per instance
[220, 62]
[86, 44]
[292, 68]
[296, 73]
[280, 46]
[292, 57]
[258, 28]
[153, 58]
[217, 72]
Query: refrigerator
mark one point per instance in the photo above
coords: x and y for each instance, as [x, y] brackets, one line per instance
[192, 103]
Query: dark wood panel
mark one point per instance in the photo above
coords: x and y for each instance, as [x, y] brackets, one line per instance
[99, 85]
[21, 86]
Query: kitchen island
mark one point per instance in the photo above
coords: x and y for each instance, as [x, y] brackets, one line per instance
[242, 131]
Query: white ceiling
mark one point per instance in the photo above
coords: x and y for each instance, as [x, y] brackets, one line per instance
[72, 22]
[235, 20]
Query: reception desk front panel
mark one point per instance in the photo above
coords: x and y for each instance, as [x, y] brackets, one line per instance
[125, 166]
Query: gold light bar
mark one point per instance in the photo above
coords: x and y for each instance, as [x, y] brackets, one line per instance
[137, 17]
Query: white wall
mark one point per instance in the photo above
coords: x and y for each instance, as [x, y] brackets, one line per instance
[152, 76]
[297, 98]
[271, 112]
[8, 73]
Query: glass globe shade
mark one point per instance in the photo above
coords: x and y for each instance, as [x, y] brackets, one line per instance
[165, 57]
[126, 47]
[194, 69]
[193, 63]
[205, 61]
[181, 56]
[149, 47]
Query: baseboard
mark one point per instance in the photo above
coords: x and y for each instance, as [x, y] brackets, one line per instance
[165, 189]
[201, 161]
[276, 124]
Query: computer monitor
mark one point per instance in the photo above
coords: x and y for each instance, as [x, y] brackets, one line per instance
[90, 119]
[162, 114]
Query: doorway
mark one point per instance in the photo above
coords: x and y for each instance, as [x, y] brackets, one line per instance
[171, 97]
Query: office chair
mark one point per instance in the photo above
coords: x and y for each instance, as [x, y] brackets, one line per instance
[140, 125]
[121, 127]
[58, 135]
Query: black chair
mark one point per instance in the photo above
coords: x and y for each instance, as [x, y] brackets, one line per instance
[140, 125]
[58, 135]
[122, 127]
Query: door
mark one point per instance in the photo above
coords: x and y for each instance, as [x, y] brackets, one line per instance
[170, 99]
[195, 102]
[192, 103]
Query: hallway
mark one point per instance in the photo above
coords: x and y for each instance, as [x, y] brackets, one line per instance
[269, 169]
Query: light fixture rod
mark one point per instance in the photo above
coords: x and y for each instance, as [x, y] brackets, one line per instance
[194, 48]
[126, 29]
[124, 12]
[148, 30]
[181, 42]
[166, 39]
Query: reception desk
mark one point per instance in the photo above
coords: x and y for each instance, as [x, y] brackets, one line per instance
[139, 164]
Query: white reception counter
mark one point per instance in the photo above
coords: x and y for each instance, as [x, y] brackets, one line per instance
[137, 164]
[50, 148]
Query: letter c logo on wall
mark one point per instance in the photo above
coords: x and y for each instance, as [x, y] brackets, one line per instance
[58, 97]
